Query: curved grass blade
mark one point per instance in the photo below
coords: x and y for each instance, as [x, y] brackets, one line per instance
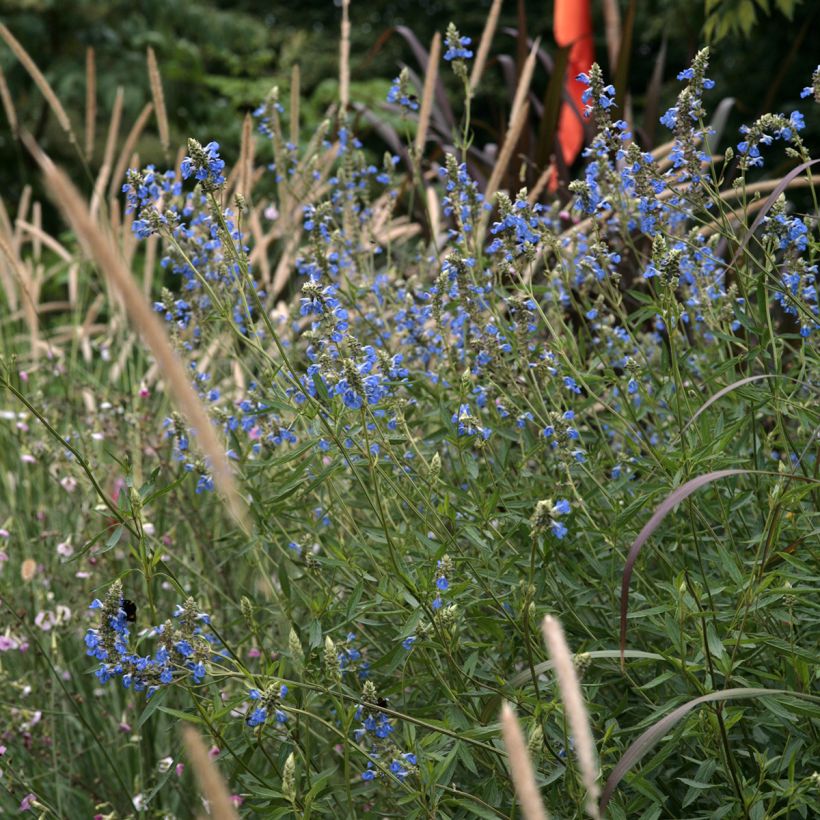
[782, 185]
[722, 392]
[673, 499]
[655, 733]
[525, 676]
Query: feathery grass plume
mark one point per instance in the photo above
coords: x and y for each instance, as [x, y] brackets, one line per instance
[210, 780]
[524, 81]
[510, 141]
[108, 153]
[90, 102]
[575, 711]
[158, 96]
[128, 149]
[484, 46]
[430, 79]
[150, 262]
[612, 26]
[344, 59]
[104, 253]
[40, 81]
[246, 154]
[8, 104]
[7, 251]
[521, 769]
[295, 85]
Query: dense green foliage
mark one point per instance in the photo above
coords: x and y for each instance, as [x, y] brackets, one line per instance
[446, 418]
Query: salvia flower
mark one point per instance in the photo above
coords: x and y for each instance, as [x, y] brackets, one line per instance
[204, 164]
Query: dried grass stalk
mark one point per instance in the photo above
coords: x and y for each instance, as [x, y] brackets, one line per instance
[150, 262]
[541, 183]
[524, 81]
[575, 711]
[128, 149]
[295, 83]
[510, 141]
[210, 780]
[102, 250]
[40, 81]
[612, 25]
[8, 271]
[159, 101]
[90, 102]
[430, 79]
[484, 46]
[28, 291]
[246, 154]
[39, 235]
[108, 154]
[521, 768]
[344, 59]
[8, 104]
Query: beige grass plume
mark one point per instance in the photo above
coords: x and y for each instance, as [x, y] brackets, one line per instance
[430, 78]
[39, 80]
[575, 711]
[521, 769]
[159, 102]
[104, 253]
[484, 45]
[210, 781]
[90, 102]
[344, 60]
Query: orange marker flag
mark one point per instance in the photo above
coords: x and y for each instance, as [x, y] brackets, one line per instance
[572, 26]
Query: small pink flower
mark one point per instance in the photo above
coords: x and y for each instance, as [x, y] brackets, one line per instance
[25, 803]
[124, 727]
[180, 768]
[27, 458]
[65, 549]
[4, 533]
[23, 374]
[68, 483]
[2, 750]
[144, 392]
[237, 800]
[254, 653]
[213, 752]
[7, 642]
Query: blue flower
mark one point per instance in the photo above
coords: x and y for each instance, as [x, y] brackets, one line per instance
[457, 47]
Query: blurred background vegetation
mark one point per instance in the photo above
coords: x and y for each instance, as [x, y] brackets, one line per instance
[219, 58]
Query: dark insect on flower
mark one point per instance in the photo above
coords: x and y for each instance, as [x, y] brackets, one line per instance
[130, 610]
[383, 702]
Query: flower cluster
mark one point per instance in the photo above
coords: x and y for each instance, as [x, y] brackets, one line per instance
[401, 94]
[376, 735]
[457, 46]
[183, 651]
[547, 516]
[267, 703]
[205, 165]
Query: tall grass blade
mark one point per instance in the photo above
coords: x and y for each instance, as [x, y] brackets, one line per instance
[90, 102]
[107, 258]
[344, 60]
[484, 46]
[430, 80]
[158, 96]
[655, 733]
[521, 769]
[210, 780]
[8, 104]
[39, 80]
[781, 186]
[573, 700]
[668, 504]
